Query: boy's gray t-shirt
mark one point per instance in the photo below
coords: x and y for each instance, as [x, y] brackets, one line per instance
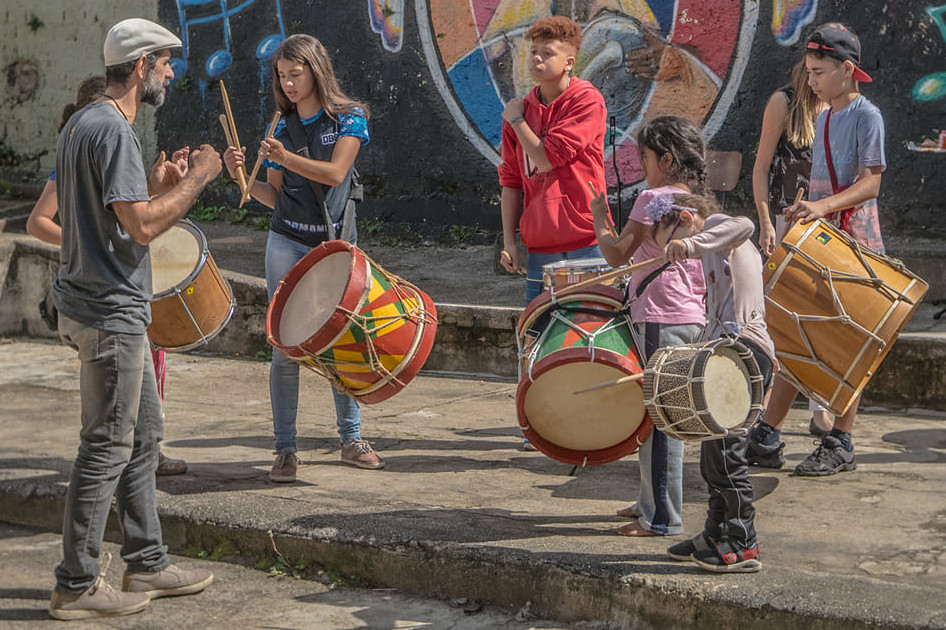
[104, 275]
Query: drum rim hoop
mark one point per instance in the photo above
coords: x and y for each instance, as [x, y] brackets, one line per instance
[191, 228]
[572, 456]
[541, 303]
[353, 295]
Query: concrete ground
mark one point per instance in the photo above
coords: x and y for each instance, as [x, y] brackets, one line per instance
[240, 597]
[460, 512]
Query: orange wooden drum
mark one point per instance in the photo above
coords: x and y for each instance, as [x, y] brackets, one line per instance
[192, 302]
[341, 315]
[834, 308]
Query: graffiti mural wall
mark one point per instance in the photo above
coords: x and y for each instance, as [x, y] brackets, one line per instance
[648, 59]
[436, 74]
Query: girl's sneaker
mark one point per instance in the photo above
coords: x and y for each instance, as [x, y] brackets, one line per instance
[686, 549]
[725, 559]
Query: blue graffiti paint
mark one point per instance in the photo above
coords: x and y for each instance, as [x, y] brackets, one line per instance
[473, 85]
[932, 87]
[220, 61]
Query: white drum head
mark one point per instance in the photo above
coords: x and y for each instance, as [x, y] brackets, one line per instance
[589, 421]
[174, 257]
[726, 387]
[314, 298]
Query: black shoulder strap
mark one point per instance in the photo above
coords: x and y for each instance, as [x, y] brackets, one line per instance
[298, 137]
[650, 278]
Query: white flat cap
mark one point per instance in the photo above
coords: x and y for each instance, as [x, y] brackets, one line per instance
[129, 39]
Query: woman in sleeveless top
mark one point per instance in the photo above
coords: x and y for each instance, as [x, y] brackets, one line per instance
[782, 167]
[783, 160]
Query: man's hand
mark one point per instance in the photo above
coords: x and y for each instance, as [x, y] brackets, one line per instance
[166, 174]
[205, 161]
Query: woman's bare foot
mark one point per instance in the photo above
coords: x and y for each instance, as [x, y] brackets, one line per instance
[634, 528]
[630, 511]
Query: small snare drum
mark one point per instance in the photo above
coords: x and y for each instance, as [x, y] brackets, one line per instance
[703, 391]
[564, 272]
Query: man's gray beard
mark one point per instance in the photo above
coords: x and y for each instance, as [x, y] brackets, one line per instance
[153, 91]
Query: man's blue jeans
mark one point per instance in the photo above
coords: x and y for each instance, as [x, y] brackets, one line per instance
[118, 454]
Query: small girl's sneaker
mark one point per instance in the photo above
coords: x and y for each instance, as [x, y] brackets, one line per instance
[724, 559]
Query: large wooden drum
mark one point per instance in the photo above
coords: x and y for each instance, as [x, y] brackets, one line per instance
[343, 316]
[834, 308]
[569, 345]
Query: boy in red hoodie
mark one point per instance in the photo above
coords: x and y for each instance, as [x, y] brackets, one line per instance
[552, 146]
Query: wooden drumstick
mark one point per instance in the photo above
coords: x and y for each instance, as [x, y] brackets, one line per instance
[229, 138]
[234, 136]
[259, 160]
[612, 229]
[620, 381]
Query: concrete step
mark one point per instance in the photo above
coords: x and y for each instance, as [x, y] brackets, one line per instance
[479, 340]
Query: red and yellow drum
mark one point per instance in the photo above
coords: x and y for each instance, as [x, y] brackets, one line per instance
[340, 314]
[568, 345]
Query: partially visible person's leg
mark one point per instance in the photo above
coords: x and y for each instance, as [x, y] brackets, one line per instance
[166, 465]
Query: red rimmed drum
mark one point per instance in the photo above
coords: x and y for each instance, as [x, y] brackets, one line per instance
[346, 318]
[568, 345]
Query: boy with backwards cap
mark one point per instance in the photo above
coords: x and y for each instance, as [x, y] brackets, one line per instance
[847, 162]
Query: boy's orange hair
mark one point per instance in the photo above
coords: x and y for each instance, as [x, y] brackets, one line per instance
[557, 27]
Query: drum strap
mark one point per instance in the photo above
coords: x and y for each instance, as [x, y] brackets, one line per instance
[590, 311]
[298, 137]
[844, 216]
[650, 278]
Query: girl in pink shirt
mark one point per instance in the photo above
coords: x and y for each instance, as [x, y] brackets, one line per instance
[667, 304]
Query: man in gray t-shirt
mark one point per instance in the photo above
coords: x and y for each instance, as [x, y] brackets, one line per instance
[111, 210]
[105, 276]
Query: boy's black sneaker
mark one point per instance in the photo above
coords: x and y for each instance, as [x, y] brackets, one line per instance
[829, 458]
[759, 454]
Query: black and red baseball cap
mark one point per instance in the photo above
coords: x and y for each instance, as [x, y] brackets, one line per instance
[837, 42]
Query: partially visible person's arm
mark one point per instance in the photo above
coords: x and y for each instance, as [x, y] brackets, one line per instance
[773, 125]
[531, 144]
[40, 223]
[510, 204]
